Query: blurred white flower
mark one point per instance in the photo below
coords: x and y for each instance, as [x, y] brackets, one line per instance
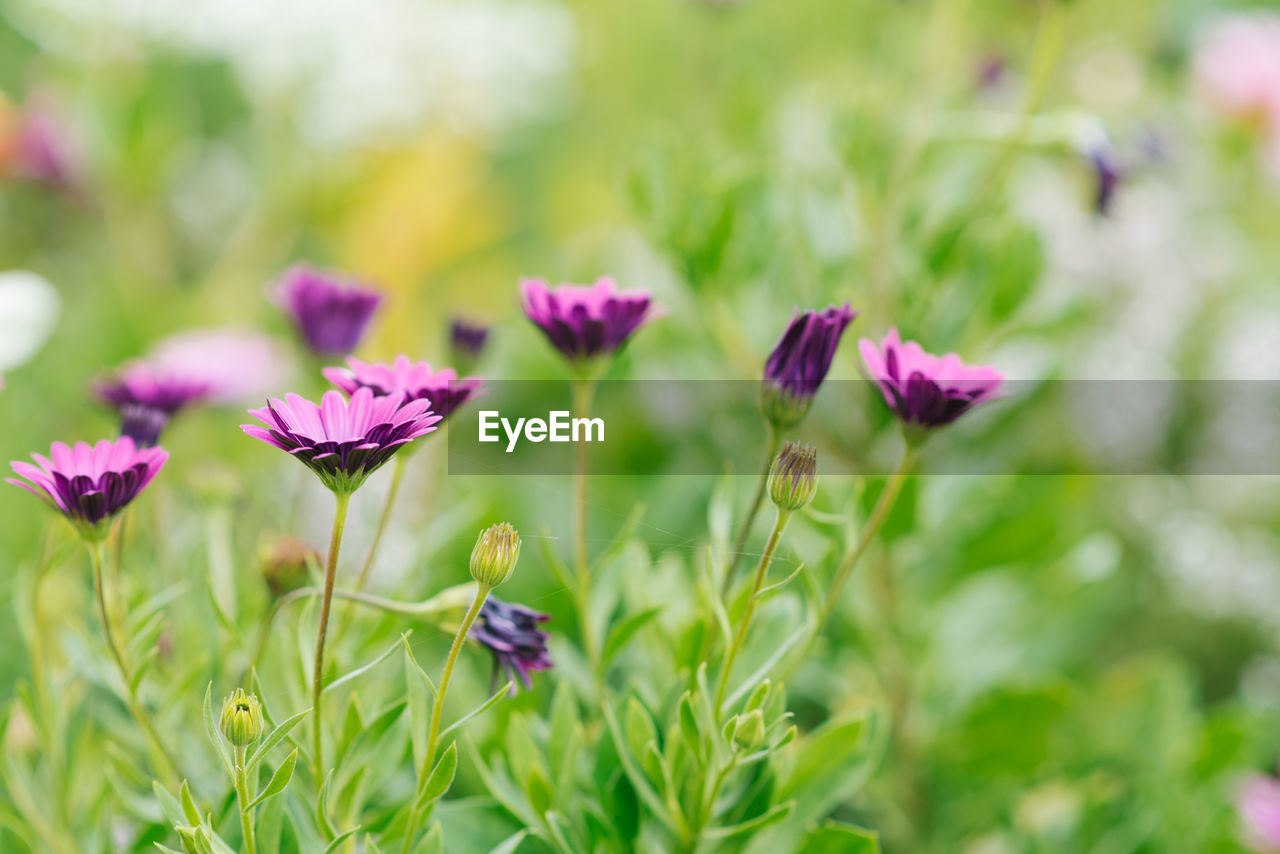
[29, 308]
[356, 69]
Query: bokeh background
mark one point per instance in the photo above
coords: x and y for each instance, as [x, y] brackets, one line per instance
[1083, 663]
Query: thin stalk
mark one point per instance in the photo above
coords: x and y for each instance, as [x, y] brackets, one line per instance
[709, 798]
[433, 733]
[397, 475]
[888, 496]
[242, 795]
[762, 569]
[164, 759]
[583, 393]
[341, 502]
[753, 509]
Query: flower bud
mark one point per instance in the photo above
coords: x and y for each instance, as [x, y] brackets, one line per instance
[748, 730]
[283, 562]
[793, 477]
[242, 722]
[495, 555]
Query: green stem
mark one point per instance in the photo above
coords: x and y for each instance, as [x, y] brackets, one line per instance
[163, 759]
[433, 733]
[762, 569]
[341, 502]
[888, 496]
[583, 393]
[397, 475]
[709, 798]
[242, 795]
[753, 509]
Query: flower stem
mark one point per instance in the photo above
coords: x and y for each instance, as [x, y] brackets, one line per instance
[888, 496]
[753, 509]
[242, 795]
[341, 501]
[433, 733]
[583, 393]
[163, 759]
[762, 569]
[397, 476]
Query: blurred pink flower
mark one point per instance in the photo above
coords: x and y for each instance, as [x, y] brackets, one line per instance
[1237, 68]
[1259, 809]
[236, 364]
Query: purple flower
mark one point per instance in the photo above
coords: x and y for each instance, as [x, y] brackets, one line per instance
[147, 397]
[511, 633]
[1259, 808]
[342, 441]
[330, 313]
[90, 484]
[42, 152]
[467, 339]
[800, 361]
[924, 390]
[1107, 176]
[582, 321]
[415, 380]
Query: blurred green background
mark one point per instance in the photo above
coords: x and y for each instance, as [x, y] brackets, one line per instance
[1077, 663]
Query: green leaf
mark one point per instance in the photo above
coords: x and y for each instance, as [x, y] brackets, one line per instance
[838, 838]
[640, 728]
[273, 738]
[189, 808]
[564, 717]
[625, 630]
[214, 734]
[433, 842]
[553, 562]
[758, 696]
[766, 818]
[418, 684]
[538, 788]
[279, 780]
[510, 844]
[689, 729]
[339, 839]
[441, 776]
[769, 591]
[637, 778]
[364, 668]
[169, 805]
[322, 808]
[479, 710]
[763, 670]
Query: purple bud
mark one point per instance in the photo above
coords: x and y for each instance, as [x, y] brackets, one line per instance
[799, 363]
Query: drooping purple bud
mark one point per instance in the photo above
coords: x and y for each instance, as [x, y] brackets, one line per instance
[511, 633]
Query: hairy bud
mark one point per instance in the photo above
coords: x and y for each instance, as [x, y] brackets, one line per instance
[495, 555]
[793, 477]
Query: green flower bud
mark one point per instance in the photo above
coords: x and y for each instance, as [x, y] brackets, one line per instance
[495, 555]
[793, 477]
[748, 731]
[283, 562]
[242, 722]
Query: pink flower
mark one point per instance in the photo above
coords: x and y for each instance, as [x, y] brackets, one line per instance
[582, 321]
[415, 380]
[90, 484]
[1237, 68]
[235, 364]
[342, 441]
[924, 390]
[1259, 809]
[330, 312]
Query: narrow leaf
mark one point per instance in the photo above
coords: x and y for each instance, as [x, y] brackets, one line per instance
[279, 780]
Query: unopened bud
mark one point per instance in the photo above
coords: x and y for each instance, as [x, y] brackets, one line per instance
[242, 722]
[495, 555]
[793, 477]
[284, 564]
[748, 731]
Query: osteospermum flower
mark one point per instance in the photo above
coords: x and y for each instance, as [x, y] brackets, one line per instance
[147, 397]
[1237, 68]
[1259, 808]
[90, 484]
[800, 361]
[343, 441]
[924, 390]
[415, 380]
[467, 338]
[330, 313]
[511, 633]
[587, 320]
